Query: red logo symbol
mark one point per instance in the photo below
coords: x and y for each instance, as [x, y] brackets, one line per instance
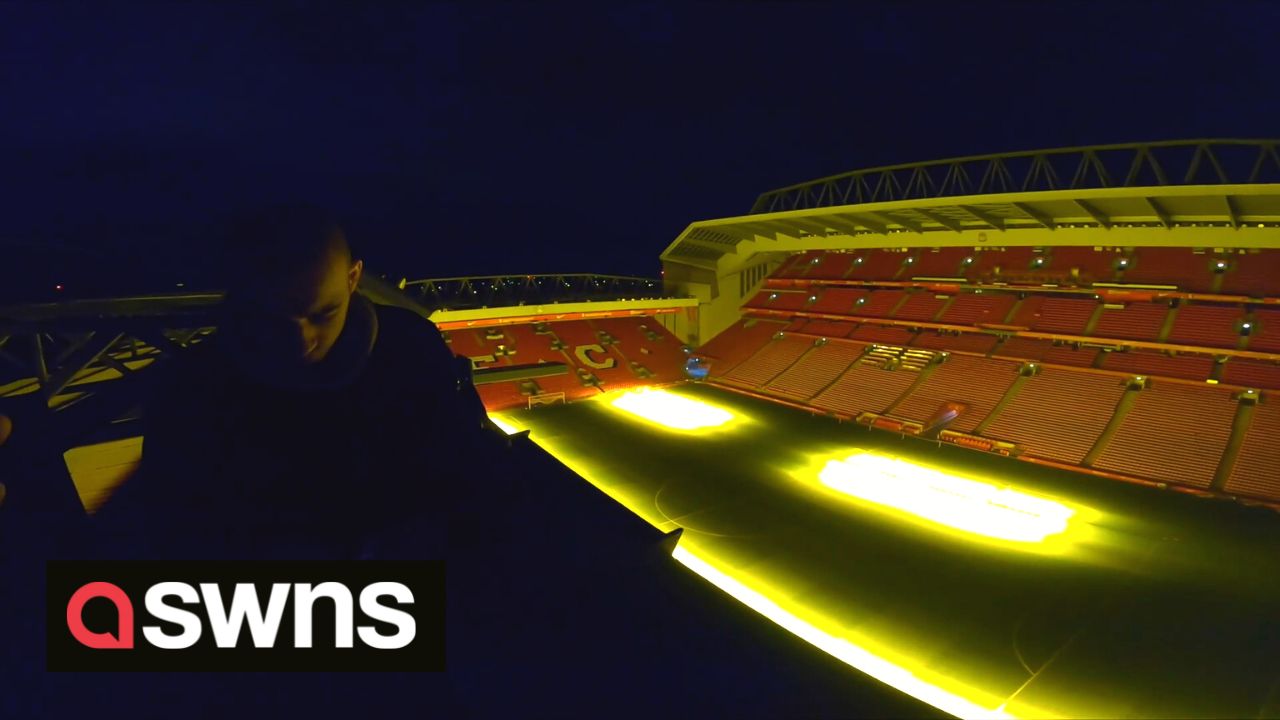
[123, 639]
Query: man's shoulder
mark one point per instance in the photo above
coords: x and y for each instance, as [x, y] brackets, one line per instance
[402, 327]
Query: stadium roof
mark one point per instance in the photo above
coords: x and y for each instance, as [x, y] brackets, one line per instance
[1198, 184]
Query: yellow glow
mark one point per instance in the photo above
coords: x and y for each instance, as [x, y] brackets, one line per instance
[842, 648]
[968, 505]
[670, 410]
[504, 425]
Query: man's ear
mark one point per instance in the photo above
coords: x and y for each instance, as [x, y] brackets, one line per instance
[354, 275]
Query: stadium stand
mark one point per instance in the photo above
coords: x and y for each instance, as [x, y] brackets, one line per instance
[1064, 315]
[1023, 348]
[646, 341]
[864, 387]
[468, 342]
[1135, 321]
[1207, 326]
[876, 265]
[831, 266]
[945, 262]
[1254, 473]
[1190, 367]
[1189, 271]
[921, 306]
[1173, 433]
[980, 343]
[975, 308]
[1070, 355]
[891, 334]
[815, 371]
[992, 264]
[779, 300]
[768, 361]
[1251, 373]
[1253, 273]
[1265, 335]
[978, 383]
[1027, 311]
[1058, 414]
[1088, 264]
[829, 328]
[838, 301]
[880, 303]
[797, 265]
[738, 342]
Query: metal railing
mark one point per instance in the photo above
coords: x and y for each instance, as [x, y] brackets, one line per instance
[507, 290]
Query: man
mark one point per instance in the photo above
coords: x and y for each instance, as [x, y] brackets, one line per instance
[311, 422]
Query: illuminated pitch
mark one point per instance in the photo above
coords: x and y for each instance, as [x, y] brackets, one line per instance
[968, 505]
[890, 673]
[670, 410]
[504, 425]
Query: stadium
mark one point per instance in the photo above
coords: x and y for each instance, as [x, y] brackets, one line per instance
[996, 433]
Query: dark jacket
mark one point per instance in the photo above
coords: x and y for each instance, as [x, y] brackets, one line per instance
[234, 468]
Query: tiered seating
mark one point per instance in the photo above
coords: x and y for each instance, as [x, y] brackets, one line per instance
[1191, 367]
[1251, 373]
[500, 396]
[1093, 265]
[1254, 473]
[1058, 414]
[864, 388]
[980, 343]
[779, 300]
[1174, 433]
[1189, 271]
[977, 382]
[797, 265]
[1253, 274]
[991, 264]
[1027, 311]
[1135, 321]
[829, 328]
[802, 380]
[974, 308]
[663, 357]
[1265, 335]
[939, 262]
[1024, 348]
[468, 342]
[797, 325]
[921, 306]
[1068, 316]
[882, 334]
[1067, 355]
[737, 342]
[831, 266]
[768, 361]
[876, 265]
[529, 346]
[838, 301]
[1207, 325]
[880, 303]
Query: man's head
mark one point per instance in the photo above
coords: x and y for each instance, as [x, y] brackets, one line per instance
[289, 283]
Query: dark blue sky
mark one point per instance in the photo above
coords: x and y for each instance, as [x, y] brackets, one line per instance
[542, 137]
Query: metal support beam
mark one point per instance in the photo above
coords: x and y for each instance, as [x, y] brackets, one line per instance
[1232, 213]
[986, 217]
[942, 220]
[1160, 212]
[1043, 218]
[887, 219]
[869, 221]
[1094, 213]
[82, 359]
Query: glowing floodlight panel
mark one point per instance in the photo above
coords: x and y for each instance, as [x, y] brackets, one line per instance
[670, 410]
[969, 505]
[953, 700]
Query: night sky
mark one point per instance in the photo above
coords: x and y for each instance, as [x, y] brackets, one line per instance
[483, 138]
